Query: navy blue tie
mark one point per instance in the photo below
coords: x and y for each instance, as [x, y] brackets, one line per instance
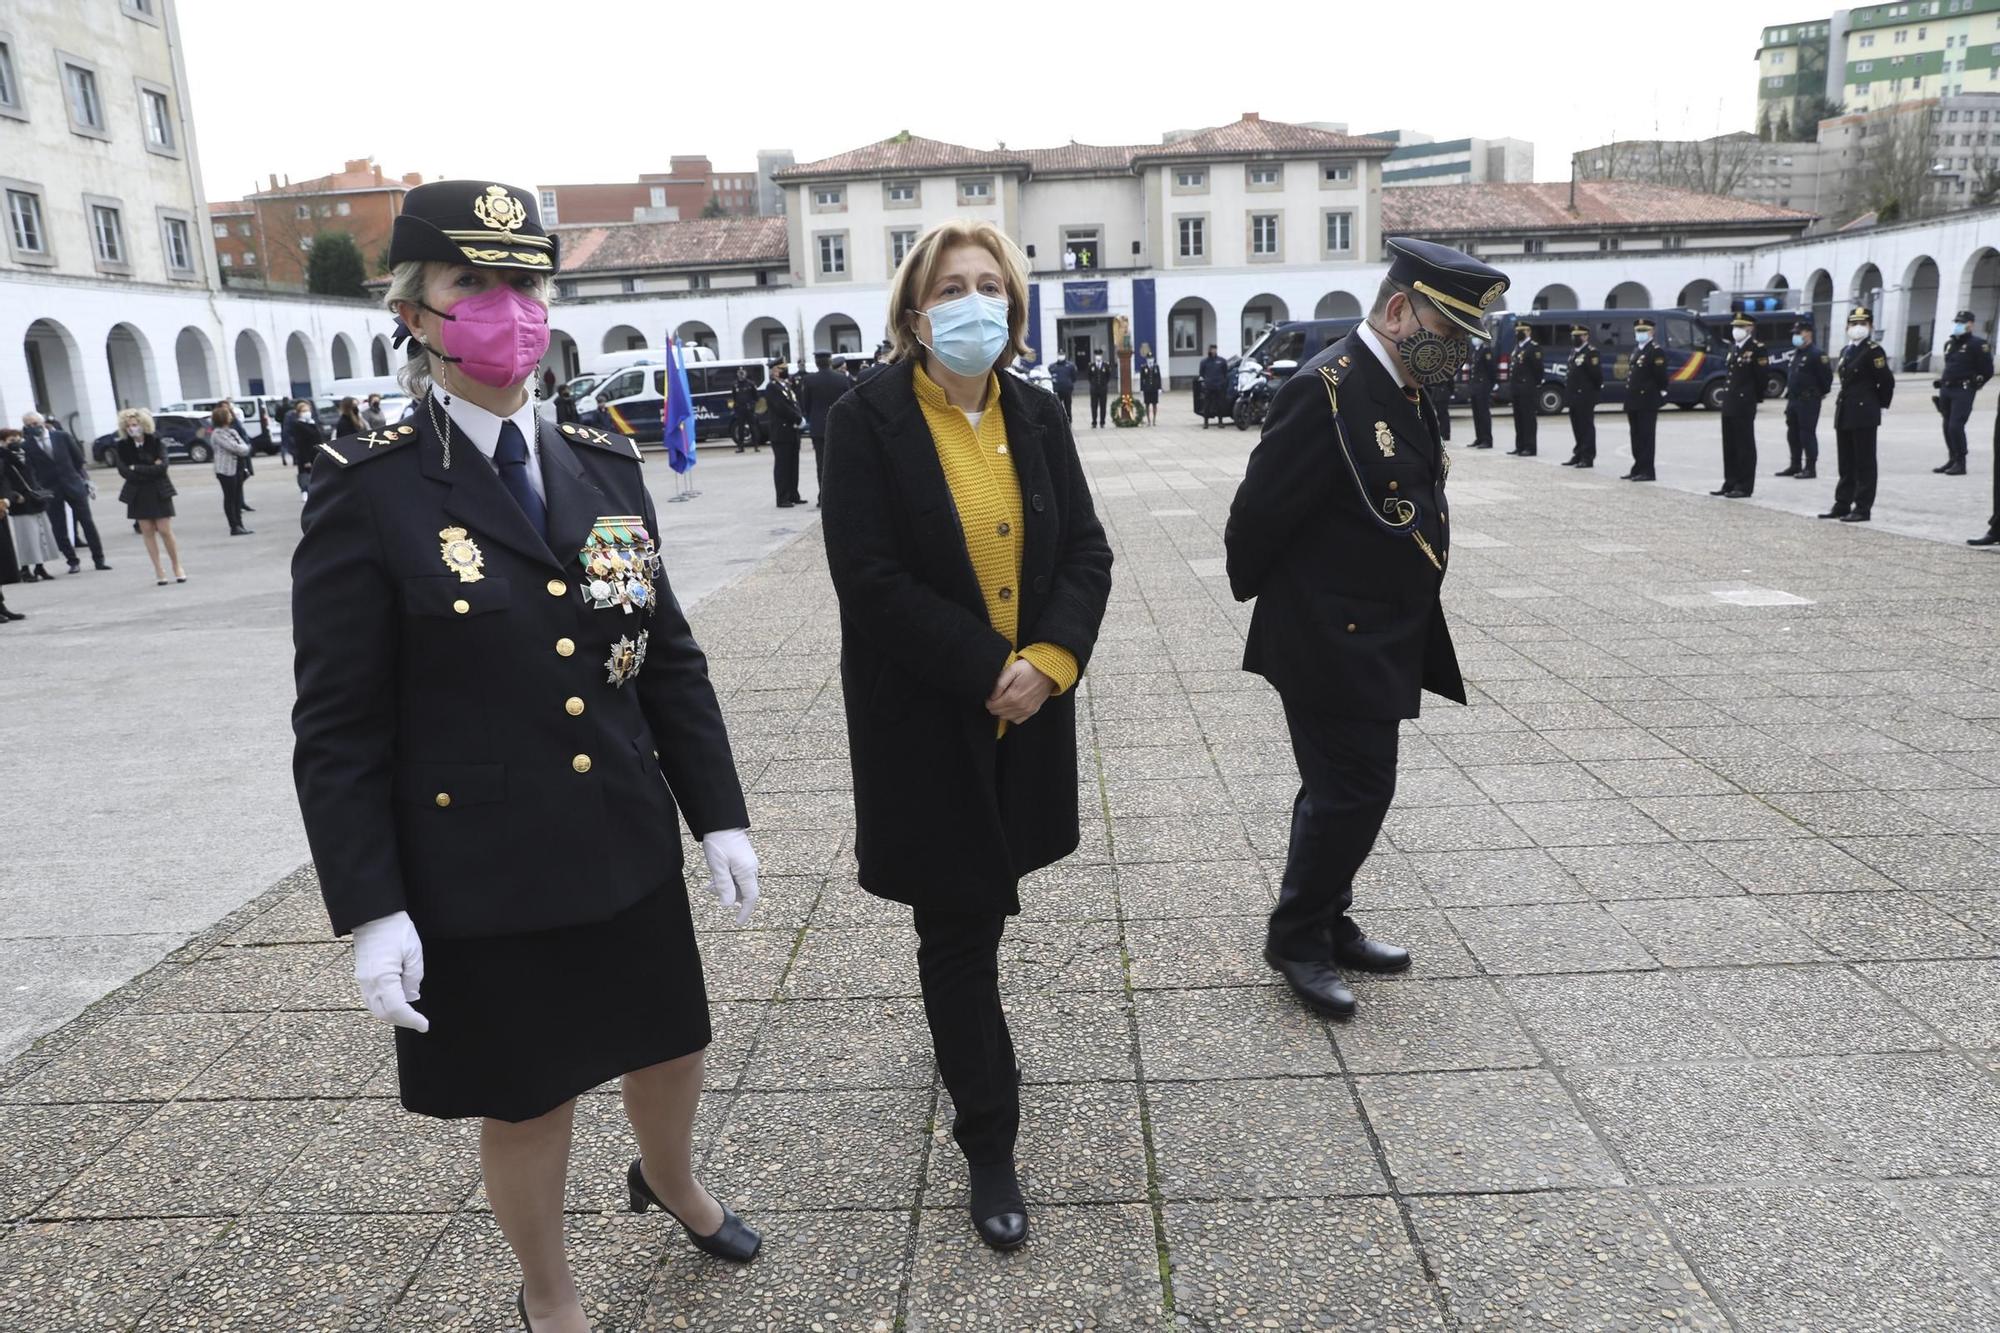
[510, 455]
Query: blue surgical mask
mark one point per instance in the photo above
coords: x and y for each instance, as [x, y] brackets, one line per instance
[1642, 337]
[1958, 328]
[1798, 340]
[969, 332]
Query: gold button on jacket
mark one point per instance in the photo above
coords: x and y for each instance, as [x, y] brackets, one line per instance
[581, 763]
[557, 587]
[573, 706]
[564, 647]
[461, 606]
[443, 799]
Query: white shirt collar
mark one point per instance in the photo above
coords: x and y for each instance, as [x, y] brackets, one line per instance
[475, 423]
[1382, 353]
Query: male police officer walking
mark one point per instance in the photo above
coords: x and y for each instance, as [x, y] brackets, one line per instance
[1645, 389]
[1866, 386]
[1525, 390]
[1581, 386]
[1741, 393]
[1807, 380]
[1339, 531]
[1968, 364]
[1481, 386]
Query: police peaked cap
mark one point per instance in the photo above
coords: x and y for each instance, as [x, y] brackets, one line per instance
[1580, 328]
[1459, 286]
[1802, 326]
[1965, 315]
[1861, 314]
[1642, 324]
[473, 222]
[1742, 321]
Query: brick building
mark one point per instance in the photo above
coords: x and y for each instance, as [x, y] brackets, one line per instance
[677, 194]
[266, 238]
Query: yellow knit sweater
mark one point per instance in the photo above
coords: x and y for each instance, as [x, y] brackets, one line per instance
[979, 470]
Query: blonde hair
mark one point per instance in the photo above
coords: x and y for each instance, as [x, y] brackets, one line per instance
[136, 415]
[919, 269]
[406, 283]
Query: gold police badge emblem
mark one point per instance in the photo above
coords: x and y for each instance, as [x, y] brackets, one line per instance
[462, 555]
[499, 210]
[1385, 440]
[627, 656]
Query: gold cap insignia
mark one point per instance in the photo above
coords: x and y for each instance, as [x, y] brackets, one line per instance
[499, 210]
[1385, 440]
[462, 555]
[1492, 294]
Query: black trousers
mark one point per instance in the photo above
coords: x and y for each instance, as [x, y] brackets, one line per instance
[1644, 424]
[1957, 411]
[1099, 400]
[60, 509]
[1525, 426]
[1347, 776]
[819, 465]
[232, 500]
[1802, 432]
[1854, 447]
[958, 964]
[1583, 430]
[1739, 454]
[1482, 419]
[785, 469]
[1064, 399]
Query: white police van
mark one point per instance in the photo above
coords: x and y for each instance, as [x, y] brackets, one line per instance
[630, 400]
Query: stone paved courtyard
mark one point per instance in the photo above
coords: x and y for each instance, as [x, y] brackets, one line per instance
[1704, 1031]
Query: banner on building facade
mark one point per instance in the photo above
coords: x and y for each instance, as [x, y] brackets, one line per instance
[1086, 298]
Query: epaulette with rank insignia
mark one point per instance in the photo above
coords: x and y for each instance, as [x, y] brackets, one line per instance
[617, 444]
[361, 448]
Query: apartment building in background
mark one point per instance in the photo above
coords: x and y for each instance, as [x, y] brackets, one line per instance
[691, 187]
[265, 239]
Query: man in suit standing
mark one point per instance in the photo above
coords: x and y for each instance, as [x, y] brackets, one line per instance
[1645, 390]
[1524, 390]
[1968, 364]
[1582, 384]
[1481, 387]
[1340, 532]
[1211, 390]
[1100, 388]
[781, 417]
[819, 389]
[1741, 393]
[1807, 379]
[1866, 386]
[57, 464]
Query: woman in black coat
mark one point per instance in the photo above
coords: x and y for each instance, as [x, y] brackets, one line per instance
[1149, 384]
[972, 576]
[147, 493]
[11, 493]
[303, 437]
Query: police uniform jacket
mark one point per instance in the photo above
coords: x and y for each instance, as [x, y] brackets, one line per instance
[1525, 374]
[1646, 379]
[1809, 375]
[1100, 376]
[1340, 532]
[1866, 386]
[1484, 373]
[1968, 362]
[1214, 374]
[461, 751]
[1744, 388]
[1062, 375]
[1585, 378]
[945, 816]
[820, 390]
[781, 412]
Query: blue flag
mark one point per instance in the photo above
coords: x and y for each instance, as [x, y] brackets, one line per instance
[677, 419]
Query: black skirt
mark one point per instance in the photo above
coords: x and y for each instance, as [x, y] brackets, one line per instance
[522, 1023]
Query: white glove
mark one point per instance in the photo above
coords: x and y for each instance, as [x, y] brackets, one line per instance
[389, 964]
[732, 871]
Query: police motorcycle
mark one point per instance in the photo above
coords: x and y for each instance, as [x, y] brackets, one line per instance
[1256, 386]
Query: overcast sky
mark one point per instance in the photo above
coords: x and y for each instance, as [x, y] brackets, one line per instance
[563, 91]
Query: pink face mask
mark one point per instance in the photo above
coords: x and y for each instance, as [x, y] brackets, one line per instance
[497, 337]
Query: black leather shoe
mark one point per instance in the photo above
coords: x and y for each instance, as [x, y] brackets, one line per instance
[1807, 475]
[1945, 468]
[1834, 513]
[999, 1214]
[102, 567]
[241, 532]
[732, 1240]
[1366, 955]
[75, 568]
[249, 509]
[1319, 984]
[1588, 462]
[1571, 462]
[1955, 470]
[1990, 539]
[1736, 495]
[1723, 491]
[1640, 476]
[1856, 517]
[1787, 472]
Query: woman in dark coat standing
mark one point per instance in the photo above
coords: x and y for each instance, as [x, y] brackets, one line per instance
[972, 576]
[11, 493]
[147, 493]
[303, 437]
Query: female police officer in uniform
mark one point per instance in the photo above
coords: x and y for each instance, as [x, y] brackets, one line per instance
[500, 707]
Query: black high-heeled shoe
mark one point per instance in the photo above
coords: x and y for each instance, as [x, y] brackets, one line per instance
[521, 1304]
[733, 1240]
[999, 1214]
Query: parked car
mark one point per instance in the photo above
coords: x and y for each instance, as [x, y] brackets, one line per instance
[184, 436]
[258, 414]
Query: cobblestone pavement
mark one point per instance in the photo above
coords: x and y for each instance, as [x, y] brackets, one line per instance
[1704, 1031]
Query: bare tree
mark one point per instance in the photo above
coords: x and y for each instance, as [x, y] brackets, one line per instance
[1895, 176]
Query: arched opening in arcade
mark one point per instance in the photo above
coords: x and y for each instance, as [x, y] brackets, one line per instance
[130, 356]
[1191, 330]
[1338, 305]
[1260, 312]
[1866, 289]
[1695, 295]
[766, 338]
[1981, 290]
[624, 338]
[1920, 286]
[1628, 296]
[562, 360]
[1555, 296]
[837, 333]
[694, 333]
[55, 378]
[251, 361]
[343, 357]
[298, 366]
[1819, 299]
[194, 362]
[378, 355]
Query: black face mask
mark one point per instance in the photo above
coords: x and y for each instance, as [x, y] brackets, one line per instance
[1430, 358]
[1579, 340]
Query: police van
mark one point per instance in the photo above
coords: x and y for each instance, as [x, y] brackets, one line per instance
[630, 401]
[1696, 344]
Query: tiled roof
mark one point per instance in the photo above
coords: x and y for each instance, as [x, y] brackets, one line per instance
[338, 182]
[903, 152]
[1083, 159]
[1254, 136]
[623, 246]
[1447, 210]
[219, 207]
